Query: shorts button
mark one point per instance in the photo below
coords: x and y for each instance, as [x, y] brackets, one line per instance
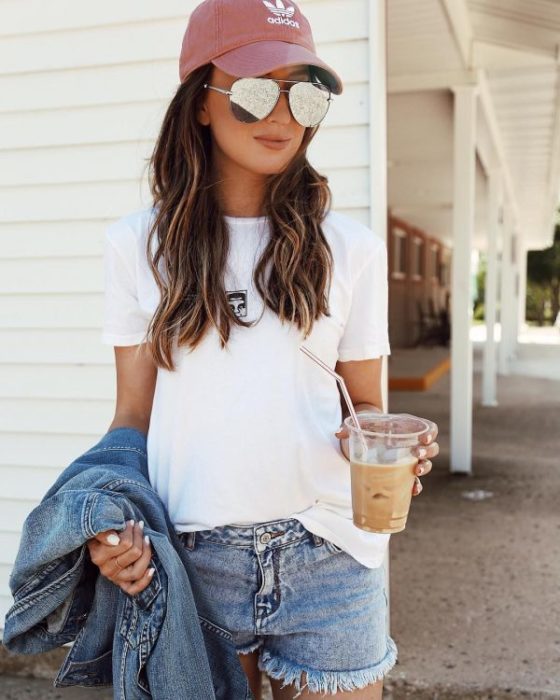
[266, 537]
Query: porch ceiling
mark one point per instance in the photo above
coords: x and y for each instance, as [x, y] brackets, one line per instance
[515, 43]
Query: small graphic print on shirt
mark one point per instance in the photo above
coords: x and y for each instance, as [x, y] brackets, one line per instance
[238, 302]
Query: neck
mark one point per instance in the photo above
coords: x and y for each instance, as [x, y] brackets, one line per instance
[240, 191]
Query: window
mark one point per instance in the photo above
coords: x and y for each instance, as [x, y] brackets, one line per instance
[398, 271]
[443, 270]
[434, 262]
[417, 267]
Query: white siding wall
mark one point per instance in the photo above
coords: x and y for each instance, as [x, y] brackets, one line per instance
[84, 88]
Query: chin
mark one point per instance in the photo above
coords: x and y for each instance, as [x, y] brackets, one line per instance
[270, 168]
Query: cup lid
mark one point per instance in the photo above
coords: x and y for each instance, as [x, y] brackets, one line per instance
[395, 425]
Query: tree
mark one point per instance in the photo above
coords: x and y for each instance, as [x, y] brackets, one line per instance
[543, 281]
[478, 311]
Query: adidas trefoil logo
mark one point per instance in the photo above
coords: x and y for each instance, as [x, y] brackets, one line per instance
[283, 13]
[280, 8]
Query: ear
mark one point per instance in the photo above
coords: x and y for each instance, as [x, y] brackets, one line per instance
[202, 115]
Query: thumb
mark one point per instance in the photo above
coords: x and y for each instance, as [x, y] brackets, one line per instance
[342, 432]
[108, 537]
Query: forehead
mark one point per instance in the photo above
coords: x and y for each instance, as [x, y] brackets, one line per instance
[286, 73]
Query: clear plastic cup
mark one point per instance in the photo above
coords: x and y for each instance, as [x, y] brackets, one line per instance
[382, 468]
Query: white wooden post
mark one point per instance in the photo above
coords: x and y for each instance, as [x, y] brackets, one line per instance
[465, 108]
[378, 133]
[377, 60]
[508, 298]
[522, 287]
[491, 287]
[514, 329]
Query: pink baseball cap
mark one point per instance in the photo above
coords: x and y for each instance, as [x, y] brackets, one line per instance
[247, 38]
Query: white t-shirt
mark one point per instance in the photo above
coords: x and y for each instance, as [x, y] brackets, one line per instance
[246, 434]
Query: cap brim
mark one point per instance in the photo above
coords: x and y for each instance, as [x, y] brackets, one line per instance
[265, 56]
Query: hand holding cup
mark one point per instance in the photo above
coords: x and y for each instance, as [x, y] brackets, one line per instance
[426, 451]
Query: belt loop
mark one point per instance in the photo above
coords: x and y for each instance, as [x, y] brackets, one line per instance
[188, 539]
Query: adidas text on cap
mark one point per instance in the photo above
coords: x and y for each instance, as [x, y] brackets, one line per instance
[247, 38]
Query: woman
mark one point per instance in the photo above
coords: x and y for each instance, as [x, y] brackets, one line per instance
[209, 295]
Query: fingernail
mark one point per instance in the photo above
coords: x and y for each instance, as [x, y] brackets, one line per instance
[146, 539]
[420, 470]
[422, 452]
[131, 522]
[429, 438]
[113, 540]
[151, 571]
[141, 523]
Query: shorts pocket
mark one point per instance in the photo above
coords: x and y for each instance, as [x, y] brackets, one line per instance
[331, 546]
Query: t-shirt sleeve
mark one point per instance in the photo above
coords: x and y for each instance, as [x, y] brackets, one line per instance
[124, 322]
[366, 334]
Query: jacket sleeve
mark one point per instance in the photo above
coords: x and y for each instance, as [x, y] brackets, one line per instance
[53, 578]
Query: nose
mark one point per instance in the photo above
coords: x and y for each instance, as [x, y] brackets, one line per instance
[281, 112]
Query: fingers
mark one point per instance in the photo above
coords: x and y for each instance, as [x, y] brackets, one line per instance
[424, 454]
[417, 488]
[431, 434]
[423, 467]
[101, 550]
[427, 452]
[134, 552]
[136, 571]
[103, 555]
[134, 587]
[110, 537]
[126, 563]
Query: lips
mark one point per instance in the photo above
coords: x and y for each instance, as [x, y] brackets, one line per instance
[273, 144]
[276, 139]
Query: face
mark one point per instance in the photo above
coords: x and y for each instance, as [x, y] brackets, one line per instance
[240, 146]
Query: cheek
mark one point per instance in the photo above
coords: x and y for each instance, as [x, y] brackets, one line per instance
[229, 137]
[227, 132]
[298, 136]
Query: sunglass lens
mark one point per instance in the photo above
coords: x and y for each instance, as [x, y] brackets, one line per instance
[253, 99]
[309, 103]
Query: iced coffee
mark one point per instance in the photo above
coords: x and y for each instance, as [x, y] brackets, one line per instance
[382, 463]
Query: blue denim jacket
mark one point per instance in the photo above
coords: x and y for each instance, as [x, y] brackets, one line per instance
[160, 643]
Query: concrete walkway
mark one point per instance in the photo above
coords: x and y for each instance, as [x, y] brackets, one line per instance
[475, 598]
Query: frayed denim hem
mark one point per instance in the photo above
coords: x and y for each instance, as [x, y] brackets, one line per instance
[326, 682]
[249, 649]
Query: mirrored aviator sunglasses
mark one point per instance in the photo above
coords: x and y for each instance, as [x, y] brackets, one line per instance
[253, 99]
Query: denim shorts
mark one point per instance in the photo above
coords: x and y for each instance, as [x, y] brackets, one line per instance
[303, 602]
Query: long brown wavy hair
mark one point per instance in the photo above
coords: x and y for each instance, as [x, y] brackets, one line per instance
[193, 238]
